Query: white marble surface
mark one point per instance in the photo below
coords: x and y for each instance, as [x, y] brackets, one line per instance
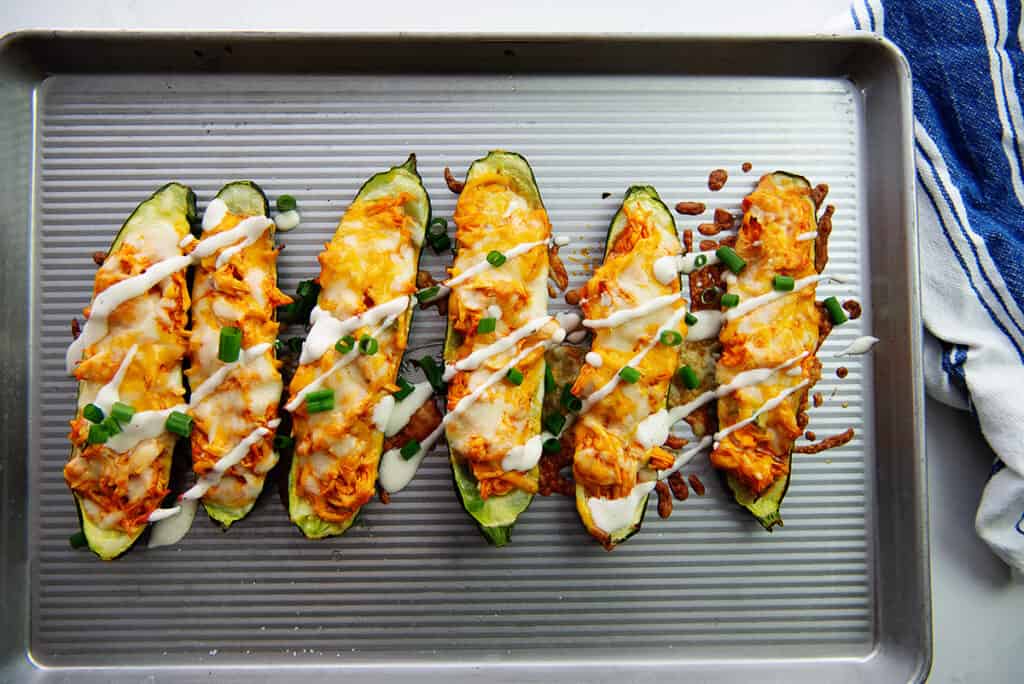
[977, 604]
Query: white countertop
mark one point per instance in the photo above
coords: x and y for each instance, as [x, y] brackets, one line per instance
[977, 605]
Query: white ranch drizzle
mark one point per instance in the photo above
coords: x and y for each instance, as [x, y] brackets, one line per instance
[288, 220]
[110, 393]
[625, 315]
[106, 302]
[382, 412]
[483, 264]
[215, 212]
[525, 456]
[747, 305]
[404, 409]
[396, 472]
[861, 345]
[167, 532]
[562, 240]
[594, 359]
[494, 311]
[478, 357]
[809, 235]
[708, 324]
[767, 406]
[327, 329]
[187, 240]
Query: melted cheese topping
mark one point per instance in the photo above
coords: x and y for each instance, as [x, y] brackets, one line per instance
[608, 461]
[120, 490]
[370, 260]
[776, 217]
[241, 292]
[491, 215]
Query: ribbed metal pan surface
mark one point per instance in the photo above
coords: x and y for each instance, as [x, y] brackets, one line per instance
[413, 581]
[415, 575]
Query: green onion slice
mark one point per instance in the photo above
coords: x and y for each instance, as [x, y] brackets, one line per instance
[97, 434]
[405, 388]
[670, 338]
[440, 243]
[700, 261]
[179, 423]
[345, 344]
[549, 379]
[551, 445]
[688, 377]
[122, 412]
[495, 258]
[93, 413]
[835, 311]
[410, 449]
[783, 283]
[730, 300]
[630, 374]
[554, 422]
[514, 376]
[434, 373]
[731, 259]
[230, 344]
[486, 325]
[111, 426]
[428, 294]
[690, 319]
[368, 346]
[286, 203]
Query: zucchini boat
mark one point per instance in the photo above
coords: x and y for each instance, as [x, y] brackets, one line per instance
[497, 326]
[638, 325]
[341, 394]
[776, 326]
[128, 359]
[234, 302]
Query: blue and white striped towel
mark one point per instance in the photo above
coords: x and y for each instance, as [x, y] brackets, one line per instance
[968, 71]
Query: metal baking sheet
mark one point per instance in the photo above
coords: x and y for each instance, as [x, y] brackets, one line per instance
[93, 123]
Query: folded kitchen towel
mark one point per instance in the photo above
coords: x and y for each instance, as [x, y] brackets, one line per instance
[968, 73]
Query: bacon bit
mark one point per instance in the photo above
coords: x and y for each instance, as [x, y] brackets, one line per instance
[708, 245]
[385, 498]
[573, 297]
[724, 219]
[818, 399]
[455, 186]
[852, 307]
[688, 240]
[827, 443]
[558, 272]
[717, 179]
[664, 500]
[98, 258]
[696, 484]
[675, 442]
[690, 208]
[842, 372]
[746, 167]
[709, 229]
[76, 329]
[678, 486]
[819, 193]
[810, 436]
[821, 242]
[605, 195]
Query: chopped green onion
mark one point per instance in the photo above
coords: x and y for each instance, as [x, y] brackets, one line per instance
[307, 289]
[783, 283]
[278, 345]
[345, 344]
[670, 338]
[78, 540]
[93, 413]
[438, 226]
[97, 434]
[319, 401]
[730, 258]
[410, 449]
[700, 261]
[549, 379]
[730, 300]
[122, 412]
[428, 294]
[551, 445]
[689, 377]
[554, 422]
[286, 203]
[179, 423]
[288, 313]
[282, 442]
[111, 426]
[495, 258]
[835, 311]
[230, 344]
[568, 400]
[690, 319]
[434, 373]
[440, 243]
[368, 346]
[405, 388]
[629, 374]
[514, 376]
[486, 325]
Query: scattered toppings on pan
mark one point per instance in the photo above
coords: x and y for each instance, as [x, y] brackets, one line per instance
[852, 308]
[456, 186]
[690, 208]
[437, 235]
[298, 311]
[746, 167]
[717, 179]
[827, 443]
[287, 217]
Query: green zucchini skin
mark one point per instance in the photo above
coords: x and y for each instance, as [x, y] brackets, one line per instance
[495, 516]
[243, 198]
[766, 508]
[648, 195]
[403, 177]
[171, 201]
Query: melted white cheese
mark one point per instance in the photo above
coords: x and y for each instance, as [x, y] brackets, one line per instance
[326, 330]
[612, 515]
